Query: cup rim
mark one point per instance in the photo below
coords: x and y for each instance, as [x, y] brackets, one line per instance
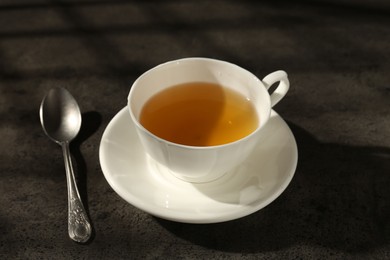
[193, 147]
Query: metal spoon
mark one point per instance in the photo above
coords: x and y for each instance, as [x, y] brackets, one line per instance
[61, 121]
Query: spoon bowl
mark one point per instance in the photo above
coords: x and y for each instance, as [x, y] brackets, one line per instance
[61, 121]
[60, 115]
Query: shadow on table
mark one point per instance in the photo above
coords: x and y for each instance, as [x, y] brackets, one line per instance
[338, 199]
[90, 124]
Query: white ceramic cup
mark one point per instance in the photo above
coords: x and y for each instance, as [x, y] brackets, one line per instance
[204, 163]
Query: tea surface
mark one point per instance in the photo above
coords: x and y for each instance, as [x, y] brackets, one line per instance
[199, 114]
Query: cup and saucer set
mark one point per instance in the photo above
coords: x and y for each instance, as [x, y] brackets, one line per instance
[165, 179]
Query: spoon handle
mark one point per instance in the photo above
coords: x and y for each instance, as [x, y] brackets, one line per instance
[79, 227]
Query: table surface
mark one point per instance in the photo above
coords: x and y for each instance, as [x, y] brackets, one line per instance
[337, 56]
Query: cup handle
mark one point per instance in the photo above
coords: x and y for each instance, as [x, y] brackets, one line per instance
[281, 89]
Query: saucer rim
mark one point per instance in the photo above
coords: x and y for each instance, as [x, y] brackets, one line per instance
[177, 216]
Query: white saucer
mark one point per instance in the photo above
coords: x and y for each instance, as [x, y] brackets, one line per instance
[245, 190]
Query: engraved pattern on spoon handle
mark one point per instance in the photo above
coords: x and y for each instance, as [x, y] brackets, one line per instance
[79, 227]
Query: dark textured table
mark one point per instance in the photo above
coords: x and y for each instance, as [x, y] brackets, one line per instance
[337, 55]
